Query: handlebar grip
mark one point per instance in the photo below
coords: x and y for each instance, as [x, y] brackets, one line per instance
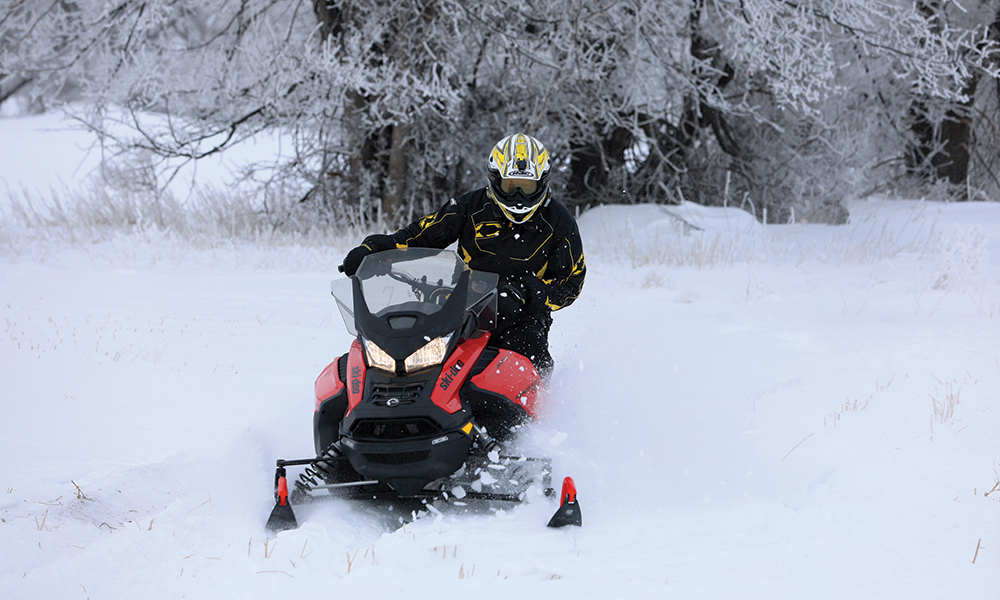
[341, 268]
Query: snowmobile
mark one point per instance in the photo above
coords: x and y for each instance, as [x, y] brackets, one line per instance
[420, 408]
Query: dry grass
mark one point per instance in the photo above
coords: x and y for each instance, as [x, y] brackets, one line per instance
[944, 400]
[964, 260]
[99, 213]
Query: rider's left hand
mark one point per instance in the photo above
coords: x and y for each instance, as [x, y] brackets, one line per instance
[534, 291]
[510, 304]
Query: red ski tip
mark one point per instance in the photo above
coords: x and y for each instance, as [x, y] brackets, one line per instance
[568, 492]
[283, 491]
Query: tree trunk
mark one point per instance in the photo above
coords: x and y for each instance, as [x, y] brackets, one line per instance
[330, 18]
[941, 150]
[395, 185]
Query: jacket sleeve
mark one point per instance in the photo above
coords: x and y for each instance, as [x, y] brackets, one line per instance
[436, 230]
[562, 276]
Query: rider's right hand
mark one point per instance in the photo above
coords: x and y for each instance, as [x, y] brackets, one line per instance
[372, 243]
[353, 260]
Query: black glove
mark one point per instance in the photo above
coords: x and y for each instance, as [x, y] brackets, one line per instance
[535, 293]
[510, 305]
[353, 260]
[372, 243]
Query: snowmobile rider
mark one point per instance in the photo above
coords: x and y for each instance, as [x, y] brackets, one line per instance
[512, 227]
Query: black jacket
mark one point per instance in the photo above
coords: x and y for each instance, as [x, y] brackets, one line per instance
[544, 254]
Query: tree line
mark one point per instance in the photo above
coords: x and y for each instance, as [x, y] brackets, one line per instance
[786, 108]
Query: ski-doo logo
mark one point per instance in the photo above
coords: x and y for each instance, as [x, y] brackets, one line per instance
[449, 377]
[355, 380]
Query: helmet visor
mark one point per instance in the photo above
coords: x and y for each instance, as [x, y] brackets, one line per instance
[528, 186]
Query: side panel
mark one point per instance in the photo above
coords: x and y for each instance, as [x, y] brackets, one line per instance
[331, 403]
[513, 376]
[355, 376]
[328, 383]
[454, 372]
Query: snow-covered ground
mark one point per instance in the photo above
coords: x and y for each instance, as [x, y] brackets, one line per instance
[778, 412]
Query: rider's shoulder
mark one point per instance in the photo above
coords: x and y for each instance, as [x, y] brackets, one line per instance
[560, 216]
[474, 197]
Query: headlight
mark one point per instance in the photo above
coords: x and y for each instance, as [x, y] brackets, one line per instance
[378, 358]
[431, 354]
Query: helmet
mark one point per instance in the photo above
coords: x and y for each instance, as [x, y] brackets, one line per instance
[519, 176]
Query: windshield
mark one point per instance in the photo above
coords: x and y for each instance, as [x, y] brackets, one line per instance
[409, 279]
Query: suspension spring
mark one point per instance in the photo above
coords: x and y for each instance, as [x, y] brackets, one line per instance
[316, 473]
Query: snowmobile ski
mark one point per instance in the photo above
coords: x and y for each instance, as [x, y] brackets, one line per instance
[282, 516]
[569, 508]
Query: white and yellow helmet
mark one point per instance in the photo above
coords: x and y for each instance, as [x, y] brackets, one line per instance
[519, 176]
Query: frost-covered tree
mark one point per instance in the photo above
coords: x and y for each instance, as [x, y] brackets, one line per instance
[782, 106]
[821, 100]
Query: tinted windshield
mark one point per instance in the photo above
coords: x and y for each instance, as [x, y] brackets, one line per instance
[411, 279]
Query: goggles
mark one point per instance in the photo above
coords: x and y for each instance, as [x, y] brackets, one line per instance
[528, 186]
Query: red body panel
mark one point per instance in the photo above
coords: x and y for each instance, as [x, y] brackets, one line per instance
[512, 375]
[355, 376]
[328, 383]
[454, 372]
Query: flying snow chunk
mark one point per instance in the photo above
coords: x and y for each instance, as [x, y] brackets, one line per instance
[558, 439]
